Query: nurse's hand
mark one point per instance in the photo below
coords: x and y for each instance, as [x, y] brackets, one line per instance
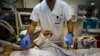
[69, 39]
[25, 42]
[47, 33]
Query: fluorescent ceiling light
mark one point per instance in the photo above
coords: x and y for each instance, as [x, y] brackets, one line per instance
[92, 3]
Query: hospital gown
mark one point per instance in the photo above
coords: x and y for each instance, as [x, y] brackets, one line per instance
[46, 49]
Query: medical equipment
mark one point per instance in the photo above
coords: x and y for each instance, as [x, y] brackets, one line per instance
[90, 24]
[9, 28]
[88, 43]
[23, 18]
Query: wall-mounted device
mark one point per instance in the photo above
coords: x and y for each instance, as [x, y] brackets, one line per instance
[23, 19]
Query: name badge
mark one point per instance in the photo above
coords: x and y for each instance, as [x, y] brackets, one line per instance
[59, 19]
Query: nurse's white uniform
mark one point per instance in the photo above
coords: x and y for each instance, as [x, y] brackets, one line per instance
[52, 20]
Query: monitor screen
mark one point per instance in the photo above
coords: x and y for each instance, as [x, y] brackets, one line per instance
[23, 19]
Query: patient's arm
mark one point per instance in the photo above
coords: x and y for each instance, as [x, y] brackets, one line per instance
[8, 48]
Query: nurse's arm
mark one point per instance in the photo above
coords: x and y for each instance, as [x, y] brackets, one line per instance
[31, 28]
[70, 26]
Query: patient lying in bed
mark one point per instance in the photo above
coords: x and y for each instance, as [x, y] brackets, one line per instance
[44, 47]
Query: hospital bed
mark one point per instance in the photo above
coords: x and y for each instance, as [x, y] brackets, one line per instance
[52, 50]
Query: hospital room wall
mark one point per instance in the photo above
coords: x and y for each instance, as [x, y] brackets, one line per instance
[32, 3]
[19, 4]
[26, 3]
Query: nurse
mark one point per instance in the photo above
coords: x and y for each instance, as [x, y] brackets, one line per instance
[52, 14]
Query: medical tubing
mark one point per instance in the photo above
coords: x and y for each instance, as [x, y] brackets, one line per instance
[6, 23]
[8, 26]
